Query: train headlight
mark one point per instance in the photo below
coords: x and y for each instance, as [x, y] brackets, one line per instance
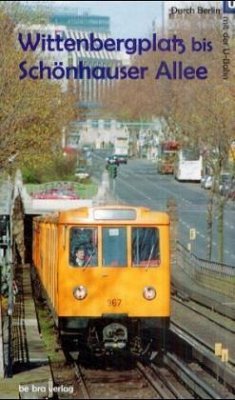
[149, 292]
[80, 292]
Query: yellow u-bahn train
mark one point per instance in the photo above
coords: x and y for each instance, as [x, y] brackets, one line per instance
[106, 275]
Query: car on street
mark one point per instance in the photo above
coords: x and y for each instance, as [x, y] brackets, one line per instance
[231, 193]
[207, 181]
[56, 194]
[122, 159]
[225, 183]
[112, 160]
[82, 173]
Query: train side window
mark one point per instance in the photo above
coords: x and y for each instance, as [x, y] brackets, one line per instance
[145, 247]
[83, 247]
[114, 247]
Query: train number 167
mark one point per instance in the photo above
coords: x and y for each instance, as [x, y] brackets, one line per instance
[114, 302]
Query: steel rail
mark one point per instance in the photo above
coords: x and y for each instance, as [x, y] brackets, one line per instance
[200, 387]
[203, 352]
[157, 386]
[81, 381]
[199, 312]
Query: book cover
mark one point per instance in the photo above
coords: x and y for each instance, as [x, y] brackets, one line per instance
[129, 104]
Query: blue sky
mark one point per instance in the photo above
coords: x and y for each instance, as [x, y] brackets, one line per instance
[128, 18]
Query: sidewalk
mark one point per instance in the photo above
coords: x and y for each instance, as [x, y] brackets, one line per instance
[31, 370]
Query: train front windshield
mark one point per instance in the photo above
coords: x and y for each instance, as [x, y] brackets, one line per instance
[114, 247]
[83, 247]
[145, 247]
[86, 244]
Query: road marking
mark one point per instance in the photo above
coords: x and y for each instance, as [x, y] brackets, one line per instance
[124, 174]
[133, 188]
[170, 192]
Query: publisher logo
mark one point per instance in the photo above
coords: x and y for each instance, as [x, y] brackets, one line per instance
[229, 7]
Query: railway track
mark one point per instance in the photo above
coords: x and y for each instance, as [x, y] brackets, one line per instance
[200, 327]
[205, 326]
[112, 383]
[203, 358]
[173, 379]
[137, 383]
[218, 319]
[198, 380]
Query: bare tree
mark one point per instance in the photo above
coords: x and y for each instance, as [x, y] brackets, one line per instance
[198, 112]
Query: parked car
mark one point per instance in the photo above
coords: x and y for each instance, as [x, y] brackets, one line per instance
[112, 160]
[56, 194]
[82, 173]
[203, 178]
[231, 193]
[122, 159]
[225, 183]
[206, 181]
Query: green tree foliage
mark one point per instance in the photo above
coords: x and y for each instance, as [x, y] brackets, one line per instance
[33, 113]
[59, 168]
